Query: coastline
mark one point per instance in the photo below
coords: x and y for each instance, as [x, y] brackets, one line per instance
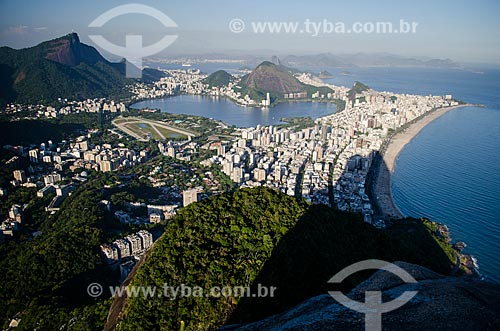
[382, 185]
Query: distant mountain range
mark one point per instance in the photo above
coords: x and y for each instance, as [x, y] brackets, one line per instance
[364, 60]
[325, 60]
[63, 67]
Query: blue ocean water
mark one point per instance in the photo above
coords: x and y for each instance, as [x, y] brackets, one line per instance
[450, 172]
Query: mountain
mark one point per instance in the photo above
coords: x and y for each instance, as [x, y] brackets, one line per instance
[63, 67]
[269, 77]
[219, 78]
[275, 60]
[318, 60]
[276, 80]
[325, 74]
[364, 60]
[68, 50]
[357, 88]
[260, 236]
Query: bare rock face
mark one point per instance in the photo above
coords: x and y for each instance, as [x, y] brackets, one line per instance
[69, 51]
[442, 303]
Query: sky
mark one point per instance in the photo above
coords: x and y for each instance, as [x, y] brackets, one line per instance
[464, 31]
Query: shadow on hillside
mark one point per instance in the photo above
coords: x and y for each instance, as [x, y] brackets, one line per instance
[26, 132]
[7, 92]
[323, 242]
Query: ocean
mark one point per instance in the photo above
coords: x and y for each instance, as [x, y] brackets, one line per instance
[450, 172]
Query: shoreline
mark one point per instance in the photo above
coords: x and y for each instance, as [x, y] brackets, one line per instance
[382, 185]
[234, 101]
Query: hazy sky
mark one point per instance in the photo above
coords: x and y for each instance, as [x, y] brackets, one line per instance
[465, 31]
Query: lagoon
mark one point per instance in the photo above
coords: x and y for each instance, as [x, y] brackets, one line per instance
[225, 110]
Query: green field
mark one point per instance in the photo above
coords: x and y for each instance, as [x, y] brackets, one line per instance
[142, 129]
[170, 134]
[153, 129]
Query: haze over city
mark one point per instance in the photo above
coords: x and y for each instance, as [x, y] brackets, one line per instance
[460, 30]
[249, 166]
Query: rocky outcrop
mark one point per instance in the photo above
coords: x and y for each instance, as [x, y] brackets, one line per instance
[69, 51]
[442, 303]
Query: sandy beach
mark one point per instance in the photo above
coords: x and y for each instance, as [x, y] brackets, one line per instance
[382, 186]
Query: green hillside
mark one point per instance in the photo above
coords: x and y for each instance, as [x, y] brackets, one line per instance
[357, 88]
[218, 79]
[260, 236]
[275, 79]
[63, 67]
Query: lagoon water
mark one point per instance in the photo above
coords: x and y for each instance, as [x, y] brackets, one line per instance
[230, 113]
[450, 172]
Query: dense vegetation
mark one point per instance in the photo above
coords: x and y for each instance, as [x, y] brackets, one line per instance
[44, 277]
[26, 132]
[46, 273]
[260, 236]
[218, 79]
[277, 80]
[60, 68]
[269, 77]
[357, 88]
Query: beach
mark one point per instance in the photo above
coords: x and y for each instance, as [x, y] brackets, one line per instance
[382, 186]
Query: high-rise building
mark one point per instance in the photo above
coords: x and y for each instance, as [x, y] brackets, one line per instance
[52, 178]
[16, 213]
[279, 172]
[324, 132]
[20, 175]
[123, 248]
[33, 155]
[110, 253]
[259, 174]
[106, 166]
[171, 152]
[146, 238]
[84, 145]
[237, 175]
[135, 244]
[189, 196]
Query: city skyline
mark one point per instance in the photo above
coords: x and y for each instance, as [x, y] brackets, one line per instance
[222, 165]
[459, 31]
